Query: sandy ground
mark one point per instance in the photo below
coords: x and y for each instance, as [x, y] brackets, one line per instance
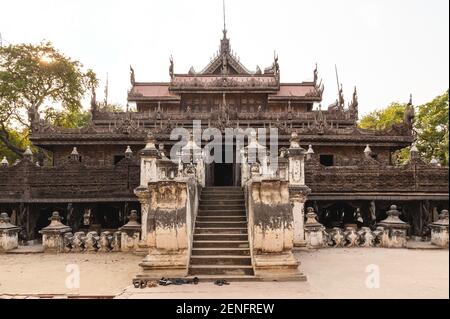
[332, 273]
[100, 274]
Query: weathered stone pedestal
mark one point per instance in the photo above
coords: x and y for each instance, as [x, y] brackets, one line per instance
[395, 230]
[167, 230]
[53, 235]
[313, 231]
[271, 231]
[439, 230]
[131, 233]
[9, 234]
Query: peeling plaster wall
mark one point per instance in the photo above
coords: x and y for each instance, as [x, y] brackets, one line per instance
[271, 216]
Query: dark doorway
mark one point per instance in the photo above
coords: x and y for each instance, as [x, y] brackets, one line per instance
[223, 174]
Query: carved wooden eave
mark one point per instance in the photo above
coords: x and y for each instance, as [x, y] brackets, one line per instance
[183, 83]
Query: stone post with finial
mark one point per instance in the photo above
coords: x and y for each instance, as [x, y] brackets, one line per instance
[313, 230]
[131, 233]
[395, 230]
[9, 234]
[439, 230]
[4, 162]
[53, 234]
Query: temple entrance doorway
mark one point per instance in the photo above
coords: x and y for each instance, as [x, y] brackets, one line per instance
[223, 174]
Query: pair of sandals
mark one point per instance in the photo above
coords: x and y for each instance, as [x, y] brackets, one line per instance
[221, 282]
[178, 281]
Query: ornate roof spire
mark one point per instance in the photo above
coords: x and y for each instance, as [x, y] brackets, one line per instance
[225, 42]
[224, 20]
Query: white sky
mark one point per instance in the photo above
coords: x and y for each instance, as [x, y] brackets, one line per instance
[388, 48]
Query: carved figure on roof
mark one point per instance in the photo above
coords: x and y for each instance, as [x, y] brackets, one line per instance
[258, 70]
[341, 97]
[316, 75]
[132, 77]
[93, 100]
[409, 115]
[353, 106]
[171, 67]
[224, 65]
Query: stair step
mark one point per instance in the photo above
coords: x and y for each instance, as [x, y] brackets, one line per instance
[212, 218]
[212, 230]
[221, 207]
[229, 278]
[234, 212]
[220, 270]
[220, 251]
[220, 237]
[220, 224]
[217, 244]
[223, 187]
[223, 196]
[221, 260]
[221, 202]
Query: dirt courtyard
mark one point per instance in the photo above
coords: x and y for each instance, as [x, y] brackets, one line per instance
[332, 273]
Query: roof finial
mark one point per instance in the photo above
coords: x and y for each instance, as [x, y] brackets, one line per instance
[224, 19]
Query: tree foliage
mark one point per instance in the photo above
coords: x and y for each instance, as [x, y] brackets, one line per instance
[384, 118]
[430, 126]
[34, 78]
[432, 129]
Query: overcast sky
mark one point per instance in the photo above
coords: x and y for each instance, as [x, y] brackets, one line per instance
[387, 48]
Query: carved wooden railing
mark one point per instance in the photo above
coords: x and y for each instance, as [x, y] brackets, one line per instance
[25, 181]
[377, 178]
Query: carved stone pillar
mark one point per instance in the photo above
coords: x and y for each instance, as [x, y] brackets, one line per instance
[271, 230]
[147, 233]
[53, 235]
[167, 230]
[439, 230]
[298, 196]
[9, 234]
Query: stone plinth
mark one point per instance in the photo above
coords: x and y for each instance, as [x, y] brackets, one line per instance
[271, 230]
[131, 233]
[395, 230]
[166, 226]
[9, 234]
[439, 230]
[313, 230]
[53, 234]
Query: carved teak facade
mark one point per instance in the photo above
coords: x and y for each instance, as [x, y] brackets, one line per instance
[93, 185]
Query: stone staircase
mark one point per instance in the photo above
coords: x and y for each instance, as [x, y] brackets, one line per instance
[221, 248]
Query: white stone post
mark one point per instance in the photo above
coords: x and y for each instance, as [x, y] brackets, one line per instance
[297, 188]
[149, 156]
[9, 234]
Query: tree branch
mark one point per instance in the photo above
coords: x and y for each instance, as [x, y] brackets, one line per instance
[4, 137]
